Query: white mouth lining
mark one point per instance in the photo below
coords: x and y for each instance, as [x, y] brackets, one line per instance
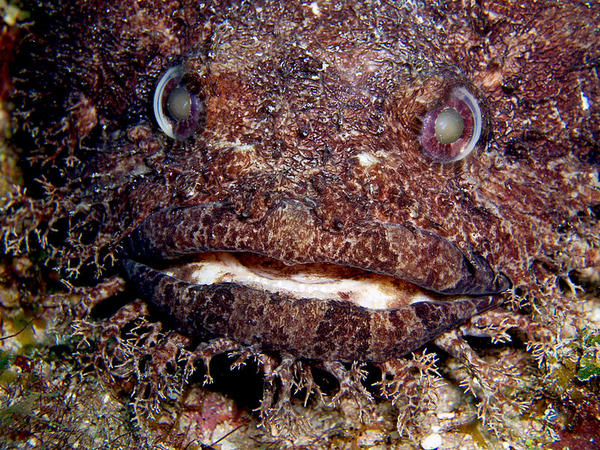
[315, 281]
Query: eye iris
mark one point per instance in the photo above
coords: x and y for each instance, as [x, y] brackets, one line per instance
[449, 126]
[178, 112]
[451, 132]
[179, 103]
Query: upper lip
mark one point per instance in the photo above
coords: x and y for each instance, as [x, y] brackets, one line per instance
[290, 233]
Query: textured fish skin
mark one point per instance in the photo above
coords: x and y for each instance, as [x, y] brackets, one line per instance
[290, 232]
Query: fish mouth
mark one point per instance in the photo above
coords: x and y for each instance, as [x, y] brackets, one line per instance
[284, 283]
[372, 265]
[315, 282]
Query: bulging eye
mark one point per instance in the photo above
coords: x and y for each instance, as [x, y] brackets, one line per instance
[177, 110]
[451, 131]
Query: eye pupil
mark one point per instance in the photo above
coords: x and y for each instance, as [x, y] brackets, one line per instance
[449, 126]
[179, 103]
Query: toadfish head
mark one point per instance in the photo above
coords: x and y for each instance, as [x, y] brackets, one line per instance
[369, 175]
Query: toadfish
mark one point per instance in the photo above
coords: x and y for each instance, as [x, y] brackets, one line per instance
[334, 181]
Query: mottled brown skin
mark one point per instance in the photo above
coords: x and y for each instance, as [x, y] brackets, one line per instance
[292, 99]
[290, 232]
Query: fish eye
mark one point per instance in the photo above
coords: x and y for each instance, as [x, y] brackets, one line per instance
[451, 131]
[176, 109]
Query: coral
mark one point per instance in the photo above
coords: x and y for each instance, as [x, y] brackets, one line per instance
[590, 359]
